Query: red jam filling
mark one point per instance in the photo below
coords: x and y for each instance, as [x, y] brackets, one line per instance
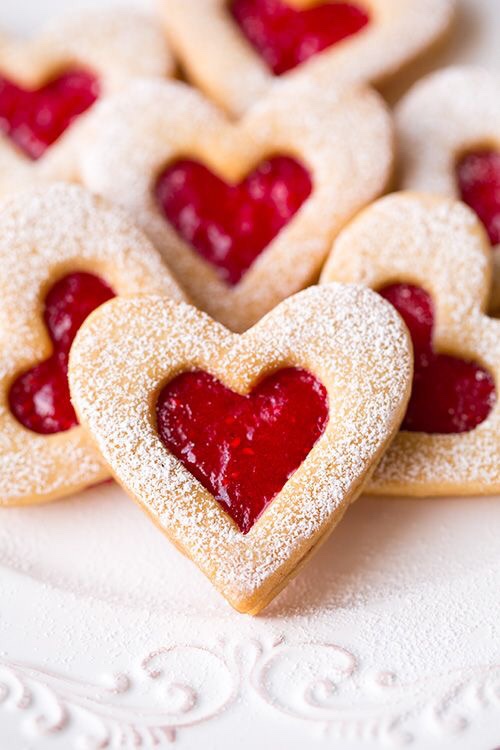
[449, 395]
[39, 398]
[242, 449]
[230, 225]
[34, 120]
[478, 175]
[286, 37]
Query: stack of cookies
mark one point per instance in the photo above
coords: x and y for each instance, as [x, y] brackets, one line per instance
[203, 293]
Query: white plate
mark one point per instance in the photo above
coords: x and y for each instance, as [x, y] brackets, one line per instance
[110, 639]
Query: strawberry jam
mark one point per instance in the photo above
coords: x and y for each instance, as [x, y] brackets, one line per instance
[39, 398]
[286, 37]
[230, 225]
[449, 395]
[478, 175]
[34, 120]
[242, 449]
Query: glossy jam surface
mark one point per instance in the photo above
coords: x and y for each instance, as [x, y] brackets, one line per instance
[286, 37]
[40, 398]
[478, 176]
[242, 449]
[34, 120]
[449, 395]
[230, 225]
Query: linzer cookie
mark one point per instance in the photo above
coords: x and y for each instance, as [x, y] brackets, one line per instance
[245, 450]
[49, 86]
[243, 213]
[430, 257]
[62, 254]
[236, 51]
[449, 133]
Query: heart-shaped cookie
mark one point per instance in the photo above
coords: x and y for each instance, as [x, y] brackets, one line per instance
[449, 134]
[429, 256]
[243, 213]
[236, 51]
[50, 84]
[246, 449]
[62, 253]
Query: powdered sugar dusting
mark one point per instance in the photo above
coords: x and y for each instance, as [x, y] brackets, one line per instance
[220, 60]
[443, 116]
[348, 337]
[343, 136]
[417, 239]
[44, 235]
[124, 44]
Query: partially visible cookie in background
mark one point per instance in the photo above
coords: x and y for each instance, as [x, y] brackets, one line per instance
[448, 129]
[243, 212]
[429, 257]
[50, 84]
[237, 51]
[63, 253]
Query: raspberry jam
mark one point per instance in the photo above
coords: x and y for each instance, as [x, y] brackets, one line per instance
[242, 449]
[478, 175]
[449, 395]
[230, 225]
[40, 398]
[286, 37]
[34, 120]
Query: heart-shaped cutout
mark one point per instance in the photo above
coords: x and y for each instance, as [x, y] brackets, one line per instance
[34, 120]
[478, 178]
[63, 253]
[39, 398]
[230, 225]
[342, 340]
[228, 440]
[402, 245]
[286, 37]
[449, 395]
[242, 211]
[234, 49]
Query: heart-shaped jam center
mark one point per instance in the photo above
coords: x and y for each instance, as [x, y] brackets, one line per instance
[34, 120]
[478, 176]
[449, 395]
[286, 37]
[230, 225]
[40, 398]
[242, 449]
